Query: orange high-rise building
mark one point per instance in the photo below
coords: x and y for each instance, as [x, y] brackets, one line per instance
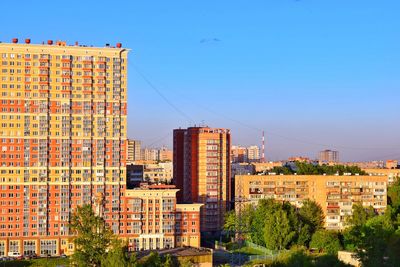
[202, 172]
[62, 139]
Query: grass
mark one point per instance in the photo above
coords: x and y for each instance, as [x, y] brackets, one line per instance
[298, 256]
[50, 262]
[249, 251]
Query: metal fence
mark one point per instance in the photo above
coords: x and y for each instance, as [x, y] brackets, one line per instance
[267, 253]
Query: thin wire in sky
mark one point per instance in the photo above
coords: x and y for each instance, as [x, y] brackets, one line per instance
[174, 107]
[268, 132]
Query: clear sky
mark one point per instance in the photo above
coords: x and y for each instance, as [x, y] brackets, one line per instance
[314, 74]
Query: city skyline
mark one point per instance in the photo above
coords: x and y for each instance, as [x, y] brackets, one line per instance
[313, 75]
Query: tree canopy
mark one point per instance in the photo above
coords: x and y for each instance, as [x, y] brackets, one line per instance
[375, 238]
[92, 237]
[304, 168]
[325, 240]
[278, 232]
[278, 225]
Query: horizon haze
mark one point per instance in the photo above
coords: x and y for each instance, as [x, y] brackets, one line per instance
[313, 75]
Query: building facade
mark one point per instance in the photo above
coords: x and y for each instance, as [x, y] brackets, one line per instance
[335, 194]
[253, 154]
[150, 154]
[158, 173]
[134, 175]
[155, 221]
[392, 164]
[157, 154]
[328, 156]
[63, 140]
[165, 154]
[202, 171]
[134, 151]
[392, 175]
[241, 154]
[266, 166]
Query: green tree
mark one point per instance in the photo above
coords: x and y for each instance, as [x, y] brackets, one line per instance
[393, 195]
[264, 210]
[351, 238]
[360, 214]
[311, 218]
[117, 256]
[304, 235]
[376, 242]
[169, 261]
[186, 263]
[230, 224]
[278, 232]
[92, 237]
[312, 214]
[325, 240]
[152, 260]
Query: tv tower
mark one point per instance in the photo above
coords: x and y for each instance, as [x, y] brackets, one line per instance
[263, 148]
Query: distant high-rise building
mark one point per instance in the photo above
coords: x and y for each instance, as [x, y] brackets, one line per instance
[253, 153]
[241, 154]
[150, 154]
[63, 141]
[202, 171]
[328, 156]
[134, 151]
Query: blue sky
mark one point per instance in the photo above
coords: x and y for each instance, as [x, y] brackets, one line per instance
[314, 74]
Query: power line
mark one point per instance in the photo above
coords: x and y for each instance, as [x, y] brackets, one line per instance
[183, 114]
[268, 132]
[286, 137]
[160, 139]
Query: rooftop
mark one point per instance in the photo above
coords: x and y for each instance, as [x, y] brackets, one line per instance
[15, 41]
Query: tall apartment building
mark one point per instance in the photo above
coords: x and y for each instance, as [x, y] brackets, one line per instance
[253, 153]
[63, 140]
[150, 154]
[156, 221]
[335, 194]
[327, 156]
[201, 168]
[134, 151]
[156, 154]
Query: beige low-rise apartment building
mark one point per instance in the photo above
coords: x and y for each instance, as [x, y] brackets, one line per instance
[336, 194]
[159, 172]
[391, 174]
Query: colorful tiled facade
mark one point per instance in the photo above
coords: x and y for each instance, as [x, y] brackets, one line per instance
[62, 139]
